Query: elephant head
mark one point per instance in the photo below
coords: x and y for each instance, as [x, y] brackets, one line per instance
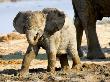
[35, 24]
[30, 23]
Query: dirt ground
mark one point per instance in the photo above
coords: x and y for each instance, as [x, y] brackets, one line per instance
[12, 51]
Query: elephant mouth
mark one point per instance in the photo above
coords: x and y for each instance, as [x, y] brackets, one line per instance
[36, 37]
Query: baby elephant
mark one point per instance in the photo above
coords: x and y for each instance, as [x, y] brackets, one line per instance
[52, 30]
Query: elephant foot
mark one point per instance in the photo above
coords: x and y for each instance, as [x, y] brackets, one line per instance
[96, 55]
[51, 70]
[80, 53]
[66, 69]
[23, 73]
[77, 67]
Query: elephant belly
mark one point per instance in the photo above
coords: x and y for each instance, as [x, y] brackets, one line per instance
[61, 51]
[62, 48]
[103, 6]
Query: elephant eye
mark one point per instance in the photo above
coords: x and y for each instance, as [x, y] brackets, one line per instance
[35, 28]
[39, 30]
[28, 28]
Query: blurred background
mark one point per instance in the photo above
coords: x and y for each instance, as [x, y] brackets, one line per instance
[9, 9]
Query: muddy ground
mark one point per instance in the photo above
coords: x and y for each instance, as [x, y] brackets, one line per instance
[12, 51]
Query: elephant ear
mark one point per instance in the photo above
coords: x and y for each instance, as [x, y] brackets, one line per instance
[18, 23]
[54, 21]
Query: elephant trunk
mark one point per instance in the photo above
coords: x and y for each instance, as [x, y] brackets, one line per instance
[32, 37]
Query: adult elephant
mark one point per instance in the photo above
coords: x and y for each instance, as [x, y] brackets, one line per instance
[87, 12]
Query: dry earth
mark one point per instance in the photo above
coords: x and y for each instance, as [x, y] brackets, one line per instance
[13, 47]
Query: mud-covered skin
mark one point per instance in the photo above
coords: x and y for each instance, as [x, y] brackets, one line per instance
[56, 35]
[87, 12]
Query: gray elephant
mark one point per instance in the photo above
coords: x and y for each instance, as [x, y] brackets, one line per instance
[52, 30]
[87, 12]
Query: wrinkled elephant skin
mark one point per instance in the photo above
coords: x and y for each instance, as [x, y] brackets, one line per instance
[52, 30]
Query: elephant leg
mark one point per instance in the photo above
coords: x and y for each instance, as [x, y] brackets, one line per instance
[85, 11]
[51, 61]
[89, 23]
[94, 49]
[75, 59]
[79, 33]
[29, 56]
[51, 53]
[74, 54]
[64, 62]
